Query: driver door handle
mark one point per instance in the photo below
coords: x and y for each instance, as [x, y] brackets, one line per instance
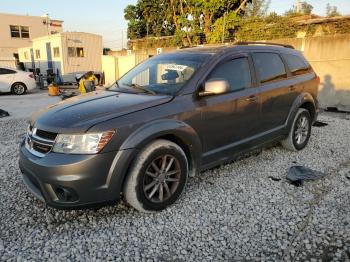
[252, 98]
[292, 88]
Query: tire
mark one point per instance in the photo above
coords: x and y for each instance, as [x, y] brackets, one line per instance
[148, 189]
[300, 131]
[18, 88]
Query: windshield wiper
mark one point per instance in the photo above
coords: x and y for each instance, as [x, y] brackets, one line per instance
[144, 89]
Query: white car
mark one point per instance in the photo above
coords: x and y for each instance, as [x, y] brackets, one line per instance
[16, 81]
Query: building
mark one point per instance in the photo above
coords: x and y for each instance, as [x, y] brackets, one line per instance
[64, 53]
[18, 30]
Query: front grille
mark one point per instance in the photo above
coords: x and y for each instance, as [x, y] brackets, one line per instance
[39, 142]
[46, 134]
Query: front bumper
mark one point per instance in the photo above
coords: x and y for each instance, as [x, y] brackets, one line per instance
[75, 181]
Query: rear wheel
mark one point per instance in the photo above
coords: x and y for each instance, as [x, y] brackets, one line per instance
[157, 177]
[300, 132]
[18, 88]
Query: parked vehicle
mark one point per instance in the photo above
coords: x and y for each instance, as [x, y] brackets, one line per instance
[16, 81]
[168, 118]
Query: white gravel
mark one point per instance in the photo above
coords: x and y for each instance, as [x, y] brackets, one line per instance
[232, 213]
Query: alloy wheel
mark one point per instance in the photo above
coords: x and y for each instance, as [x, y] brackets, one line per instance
[162, 178]
[18, 89]
[301, 130]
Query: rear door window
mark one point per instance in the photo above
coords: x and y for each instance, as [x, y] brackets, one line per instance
[296, 64]
[269, 67]
[236, 72]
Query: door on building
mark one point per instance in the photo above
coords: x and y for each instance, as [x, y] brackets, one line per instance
[49, 57]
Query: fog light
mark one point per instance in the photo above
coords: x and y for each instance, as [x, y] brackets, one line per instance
[66, 194]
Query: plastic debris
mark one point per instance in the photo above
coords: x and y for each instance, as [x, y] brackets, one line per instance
[320, 124]
[4, 113]
[298, 174]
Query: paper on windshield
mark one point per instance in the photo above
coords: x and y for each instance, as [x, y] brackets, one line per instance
[175, 67]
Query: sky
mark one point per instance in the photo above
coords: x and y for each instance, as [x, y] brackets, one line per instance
[105, 17]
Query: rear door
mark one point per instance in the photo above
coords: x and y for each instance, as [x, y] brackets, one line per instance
[276, 96]
[229, 120]
[6, 79]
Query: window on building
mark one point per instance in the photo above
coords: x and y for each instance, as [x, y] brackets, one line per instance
[25, 54]
[236, 72]
[15, 31]
[24, 31]
[72, 52]
[37, 54]
[296, 64]
[19, 31]
[269, 67]
[75, 51]
[80, 52]
[56, 52]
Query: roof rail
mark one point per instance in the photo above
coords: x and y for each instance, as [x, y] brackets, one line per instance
[264, 43]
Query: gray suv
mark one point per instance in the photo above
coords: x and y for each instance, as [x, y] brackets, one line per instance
[168, 118]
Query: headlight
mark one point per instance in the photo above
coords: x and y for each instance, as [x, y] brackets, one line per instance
[90, 143]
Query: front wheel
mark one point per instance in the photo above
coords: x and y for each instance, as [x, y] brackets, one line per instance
[157, 177]
[19, 89]
[300, 131]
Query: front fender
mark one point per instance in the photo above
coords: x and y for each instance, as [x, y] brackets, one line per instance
[174, 128]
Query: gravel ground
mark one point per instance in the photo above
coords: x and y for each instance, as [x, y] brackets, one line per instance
[235, 212]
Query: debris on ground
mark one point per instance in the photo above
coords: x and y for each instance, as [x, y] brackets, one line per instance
[320, 124]
[65, 95]
[276, 179]
[298, 174]
[4, 113]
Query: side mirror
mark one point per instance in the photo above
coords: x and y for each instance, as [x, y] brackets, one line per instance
[215, 87]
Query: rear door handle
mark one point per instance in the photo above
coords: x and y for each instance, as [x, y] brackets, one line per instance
[291, 88]
[252, 98]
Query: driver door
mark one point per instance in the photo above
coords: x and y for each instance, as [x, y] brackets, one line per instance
[229, 120]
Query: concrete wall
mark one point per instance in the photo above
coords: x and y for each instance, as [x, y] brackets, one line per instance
[9, 45]
[110, 69]
[330, 58]
[115, 67]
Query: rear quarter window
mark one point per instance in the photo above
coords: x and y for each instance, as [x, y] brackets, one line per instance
[269, 67]
[296, 64]
[5, 71]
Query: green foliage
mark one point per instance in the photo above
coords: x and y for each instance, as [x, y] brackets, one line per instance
[271, 27]
[231, 23]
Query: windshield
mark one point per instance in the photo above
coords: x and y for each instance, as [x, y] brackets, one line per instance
[164, 74]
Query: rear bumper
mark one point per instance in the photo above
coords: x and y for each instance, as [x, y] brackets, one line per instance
[75, 181]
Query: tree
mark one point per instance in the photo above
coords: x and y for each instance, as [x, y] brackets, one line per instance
[305, 9]
[190, 21]
[257, 8]
[332, 11]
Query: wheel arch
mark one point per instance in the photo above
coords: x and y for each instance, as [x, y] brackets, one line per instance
[306, 101]
[175, 131]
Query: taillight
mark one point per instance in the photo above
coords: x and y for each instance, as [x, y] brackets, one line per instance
[31, 75]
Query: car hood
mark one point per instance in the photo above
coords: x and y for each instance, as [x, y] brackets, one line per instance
[79, 113]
